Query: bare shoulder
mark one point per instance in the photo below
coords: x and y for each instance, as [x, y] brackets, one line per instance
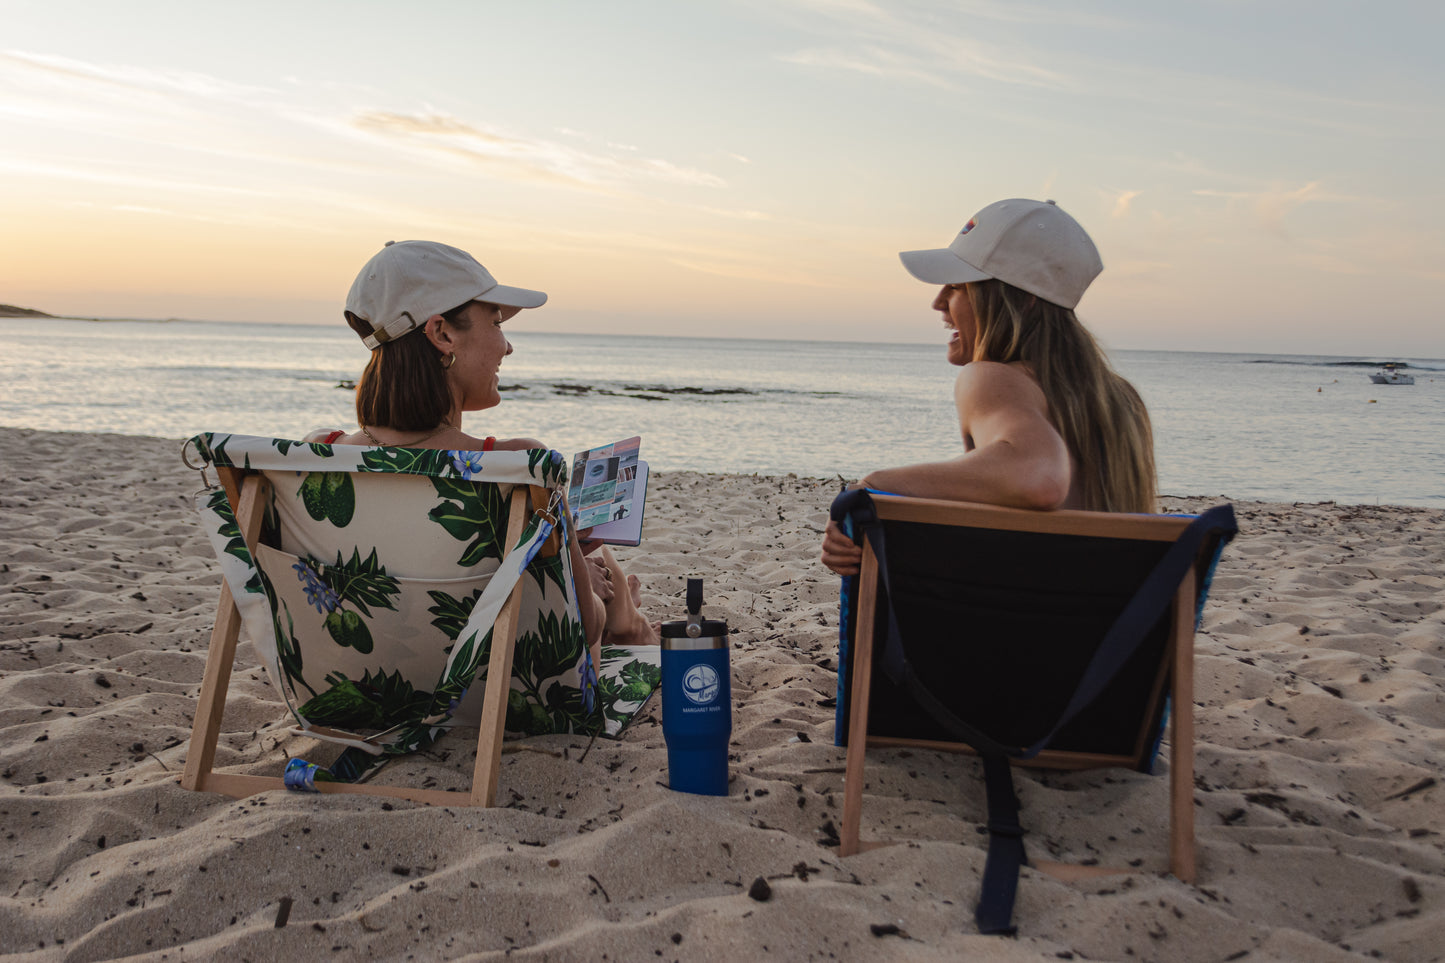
[516, 444]
[989, 382]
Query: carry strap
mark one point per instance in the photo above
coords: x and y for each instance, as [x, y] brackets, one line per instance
[995, 909]
[1006, 852]
[428, 724]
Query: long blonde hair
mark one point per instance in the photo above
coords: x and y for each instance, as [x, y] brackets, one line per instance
[1099, 414]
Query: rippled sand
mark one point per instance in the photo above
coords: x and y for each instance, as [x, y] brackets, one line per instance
[1321, 727]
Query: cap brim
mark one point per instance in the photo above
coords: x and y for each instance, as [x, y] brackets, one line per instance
[940, 266]
[510, 297]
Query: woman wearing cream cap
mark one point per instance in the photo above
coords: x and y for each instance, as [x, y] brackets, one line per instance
[1046, 422]
[432, 317]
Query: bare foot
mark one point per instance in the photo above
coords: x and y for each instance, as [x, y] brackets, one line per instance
[625, 625]
[639, 632]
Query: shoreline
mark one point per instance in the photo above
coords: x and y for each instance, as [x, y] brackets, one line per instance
[1320, 727]
[1169, 503]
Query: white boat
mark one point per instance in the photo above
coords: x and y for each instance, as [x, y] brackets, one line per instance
[1390, 374]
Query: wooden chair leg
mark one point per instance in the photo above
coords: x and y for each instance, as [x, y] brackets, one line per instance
[499, 674]
[859, 688]
[1181, 759]
[221, 655]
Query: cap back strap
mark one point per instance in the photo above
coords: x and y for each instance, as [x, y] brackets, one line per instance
[390, 331]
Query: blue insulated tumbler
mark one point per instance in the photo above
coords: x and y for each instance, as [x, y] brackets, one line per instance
[697, 718]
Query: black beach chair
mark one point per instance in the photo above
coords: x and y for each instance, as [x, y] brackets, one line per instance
[1051, 639]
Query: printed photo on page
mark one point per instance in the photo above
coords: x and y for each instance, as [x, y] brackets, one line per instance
[603, 481]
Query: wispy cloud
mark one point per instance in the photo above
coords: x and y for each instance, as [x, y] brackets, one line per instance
[869, 39]
[174, 124]
[126, 176]
[529, 158]
[769, 274]
[185, 114]
[959, 44]
[872, 60]
[740, 215]
[1272, 205]
[131, 78]
[1122, 200]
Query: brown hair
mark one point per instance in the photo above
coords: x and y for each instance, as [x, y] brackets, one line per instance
[1099, 414]
[404, 386]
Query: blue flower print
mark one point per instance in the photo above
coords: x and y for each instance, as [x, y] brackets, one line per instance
[589, 682]
[317, 592]
[466, 463]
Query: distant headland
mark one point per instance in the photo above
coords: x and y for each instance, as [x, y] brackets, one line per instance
[11, 311]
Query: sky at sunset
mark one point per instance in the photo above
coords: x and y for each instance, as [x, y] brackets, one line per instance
[1258, 176]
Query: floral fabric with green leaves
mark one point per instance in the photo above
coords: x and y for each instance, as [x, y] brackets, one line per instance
[371, 594]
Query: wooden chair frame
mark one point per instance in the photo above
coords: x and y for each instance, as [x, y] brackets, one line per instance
[248, 492]
[1178, 662]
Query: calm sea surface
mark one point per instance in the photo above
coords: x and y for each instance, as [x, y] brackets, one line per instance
[1273, 427]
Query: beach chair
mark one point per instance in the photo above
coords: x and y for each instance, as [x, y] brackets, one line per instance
[377, 585]
[1053, 639]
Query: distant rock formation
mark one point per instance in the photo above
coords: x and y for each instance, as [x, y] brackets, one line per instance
[11, 311]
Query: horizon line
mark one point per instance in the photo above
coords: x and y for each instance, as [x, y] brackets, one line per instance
[43, 316]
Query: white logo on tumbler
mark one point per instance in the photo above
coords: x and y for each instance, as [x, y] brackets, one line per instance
[700, 684]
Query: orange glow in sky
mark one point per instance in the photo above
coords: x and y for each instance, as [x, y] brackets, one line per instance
[1254, 183]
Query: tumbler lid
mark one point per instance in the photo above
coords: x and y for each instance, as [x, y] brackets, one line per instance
[695, 626]
[710, 628]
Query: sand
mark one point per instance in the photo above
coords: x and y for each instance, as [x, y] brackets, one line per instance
[1321, 736]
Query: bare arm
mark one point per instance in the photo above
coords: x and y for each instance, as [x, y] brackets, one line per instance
[591, 606]
[1015, 457]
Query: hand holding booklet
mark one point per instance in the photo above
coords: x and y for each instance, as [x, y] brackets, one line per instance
[608, 491]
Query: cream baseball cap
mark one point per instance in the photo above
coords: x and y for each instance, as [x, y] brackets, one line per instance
[409, 281]
[1032, 245]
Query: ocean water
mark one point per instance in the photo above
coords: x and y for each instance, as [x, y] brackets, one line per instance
[1246, 426]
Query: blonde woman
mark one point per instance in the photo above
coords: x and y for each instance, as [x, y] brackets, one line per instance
[1046, 421]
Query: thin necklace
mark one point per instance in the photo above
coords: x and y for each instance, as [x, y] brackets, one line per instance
[411, 444]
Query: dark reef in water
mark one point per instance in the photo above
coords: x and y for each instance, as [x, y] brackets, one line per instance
[1340, 364]
[656, 392]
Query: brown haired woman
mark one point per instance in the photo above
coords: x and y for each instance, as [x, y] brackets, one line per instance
[1046, 421]
[414, 389]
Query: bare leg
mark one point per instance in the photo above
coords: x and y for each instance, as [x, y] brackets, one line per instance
[625, 625]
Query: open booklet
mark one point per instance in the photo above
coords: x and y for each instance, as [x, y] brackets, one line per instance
[608, 492]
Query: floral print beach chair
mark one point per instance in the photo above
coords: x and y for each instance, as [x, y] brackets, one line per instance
[381, 587]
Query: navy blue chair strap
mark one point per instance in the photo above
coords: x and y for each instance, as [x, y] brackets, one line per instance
[1120, 642]
[994, 913]
[857, 506]
[1142, 612]
[995, 909]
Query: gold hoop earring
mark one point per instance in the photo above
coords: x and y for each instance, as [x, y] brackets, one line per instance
[449, 360]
